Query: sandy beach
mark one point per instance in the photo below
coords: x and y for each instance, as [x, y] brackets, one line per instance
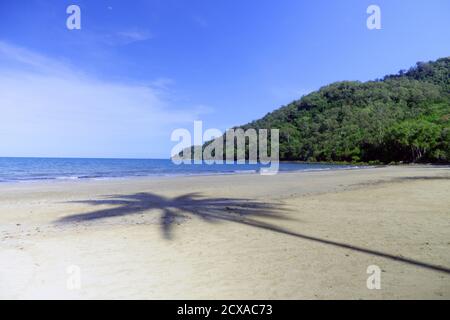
[309, 235]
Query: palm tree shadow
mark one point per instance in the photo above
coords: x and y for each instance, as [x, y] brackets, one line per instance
[211, 210]
[214, 210]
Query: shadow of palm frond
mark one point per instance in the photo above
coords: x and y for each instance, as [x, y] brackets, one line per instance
[193, 204]
[242, 211]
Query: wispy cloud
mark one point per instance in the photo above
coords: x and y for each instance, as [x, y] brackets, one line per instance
[17, 57]
[134, 36]
[163, 83]
[120, 38]
[200, 21]
[50, 108]
[106, 38]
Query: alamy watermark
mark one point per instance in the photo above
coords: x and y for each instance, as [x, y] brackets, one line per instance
[234, 146]
[73, 22]
[374, 20]
[74, 277]
[374, 279]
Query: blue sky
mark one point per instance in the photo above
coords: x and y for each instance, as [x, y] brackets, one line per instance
[139, 69]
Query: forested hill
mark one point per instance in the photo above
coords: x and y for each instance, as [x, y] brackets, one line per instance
[403, 117]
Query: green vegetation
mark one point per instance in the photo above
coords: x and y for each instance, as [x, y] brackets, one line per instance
[400, 118]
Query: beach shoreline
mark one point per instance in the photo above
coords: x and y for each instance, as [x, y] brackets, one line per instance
[295, 235]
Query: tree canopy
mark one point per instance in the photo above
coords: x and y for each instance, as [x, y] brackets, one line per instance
[400, 118]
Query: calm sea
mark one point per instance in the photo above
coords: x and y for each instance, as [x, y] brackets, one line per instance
[32, 169]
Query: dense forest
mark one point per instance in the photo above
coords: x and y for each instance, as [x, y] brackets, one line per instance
[400, 118]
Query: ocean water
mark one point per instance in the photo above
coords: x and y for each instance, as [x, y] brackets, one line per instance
[35, 169]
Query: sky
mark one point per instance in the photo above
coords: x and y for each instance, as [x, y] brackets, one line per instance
[137, 70]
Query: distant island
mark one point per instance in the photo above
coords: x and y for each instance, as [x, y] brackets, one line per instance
[402, 118]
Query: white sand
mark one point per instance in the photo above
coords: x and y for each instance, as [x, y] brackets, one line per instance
[290, 236]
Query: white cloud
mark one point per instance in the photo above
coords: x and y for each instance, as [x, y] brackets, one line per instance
[49, 108]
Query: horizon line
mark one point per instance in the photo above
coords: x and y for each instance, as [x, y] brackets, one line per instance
[93, 158]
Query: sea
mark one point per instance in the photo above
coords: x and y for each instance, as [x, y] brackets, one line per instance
[38, 169]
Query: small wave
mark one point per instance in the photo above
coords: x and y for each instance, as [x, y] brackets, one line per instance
[67, 178]
[245, 171]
